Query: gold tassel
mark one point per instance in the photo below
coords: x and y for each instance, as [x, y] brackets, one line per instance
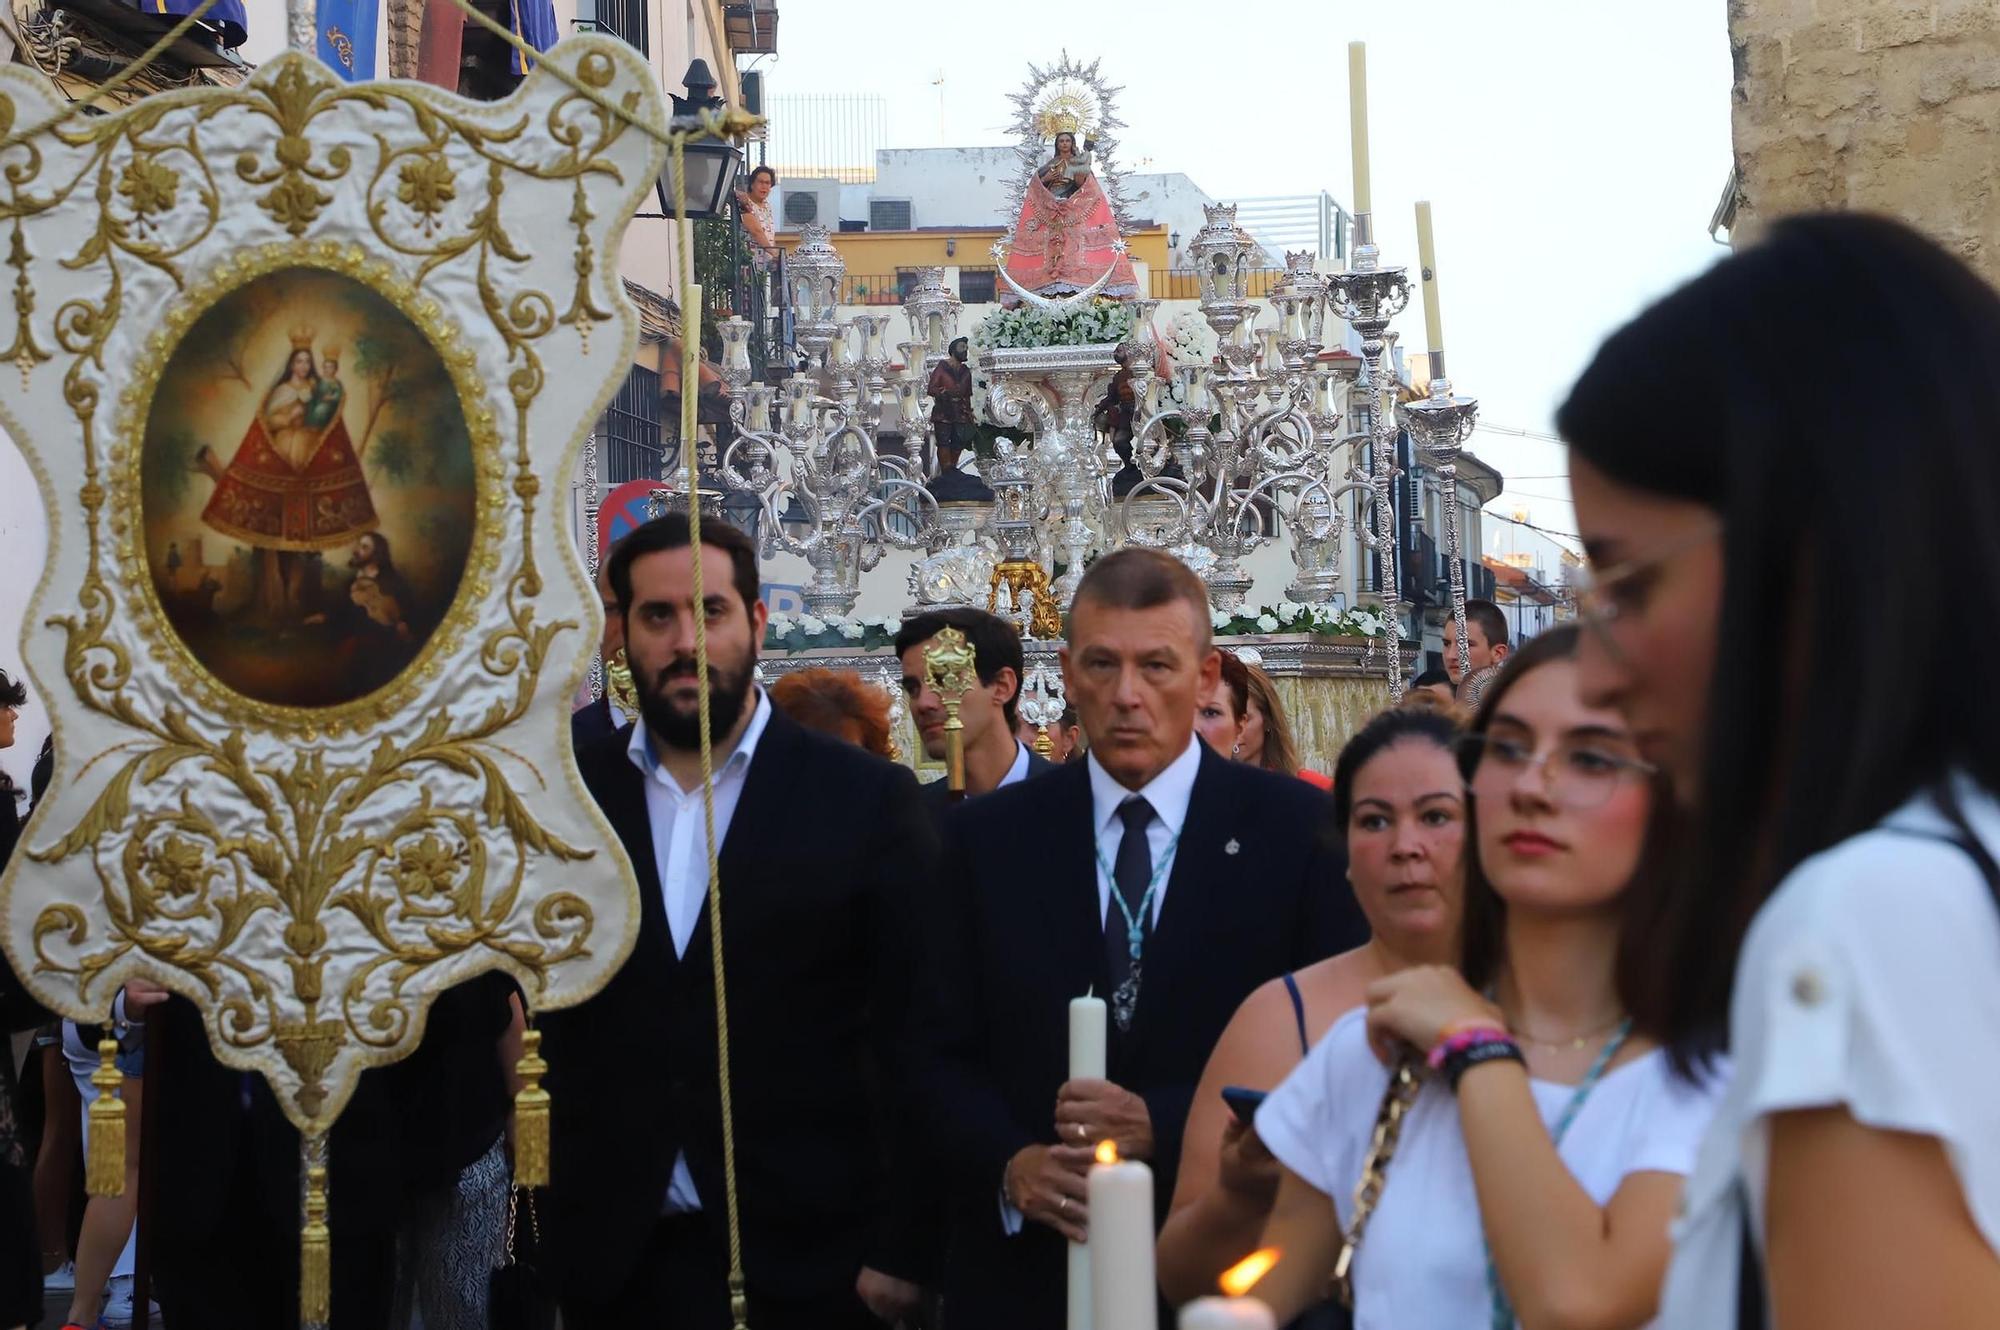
[739, 1304]
[104, 1175]
[531, 1115]
[315, 1254]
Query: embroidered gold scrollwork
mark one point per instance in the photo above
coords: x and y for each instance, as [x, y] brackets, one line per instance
[425, 838]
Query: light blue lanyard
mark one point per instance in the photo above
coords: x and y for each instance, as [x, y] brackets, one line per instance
[1135, 920]
[1503, 1311]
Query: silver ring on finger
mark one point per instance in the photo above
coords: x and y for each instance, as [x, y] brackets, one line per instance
[1082, 1132]
[1063, 1205]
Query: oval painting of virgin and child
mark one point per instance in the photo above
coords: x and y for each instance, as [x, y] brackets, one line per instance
[308, 489]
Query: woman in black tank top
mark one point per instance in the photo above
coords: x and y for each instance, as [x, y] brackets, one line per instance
[1399, 796]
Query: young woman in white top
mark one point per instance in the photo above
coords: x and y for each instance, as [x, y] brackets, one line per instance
[1540, 1163]
[1795, 567]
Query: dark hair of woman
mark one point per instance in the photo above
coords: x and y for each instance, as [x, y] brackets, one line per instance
[1483, 935]
[763, 170]
[1814, 404]
[1072, 141]
[13, 693]
[1237, 675]
[312, 366]
[1378, 736]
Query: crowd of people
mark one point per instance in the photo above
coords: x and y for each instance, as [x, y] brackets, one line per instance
[1642, 973]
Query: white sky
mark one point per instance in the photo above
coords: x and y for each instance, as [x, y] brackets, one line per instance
[1573, 150]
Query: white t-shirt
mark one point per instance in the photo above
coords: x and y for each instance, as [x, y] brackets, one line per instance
[1870, 979]
[1423, 1260]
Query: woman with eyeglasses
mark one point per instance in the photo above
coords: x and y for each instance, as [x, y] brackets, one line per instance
[1538, 1137]
[1791, 568]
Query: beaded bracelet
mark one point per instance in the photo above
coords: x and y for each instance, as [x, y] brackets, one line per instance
[1459, 1037]
[1457, 1063]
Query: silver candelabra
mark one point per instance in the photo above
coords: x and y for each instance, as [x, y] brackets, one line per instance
[1368, 296]
[1440, 423]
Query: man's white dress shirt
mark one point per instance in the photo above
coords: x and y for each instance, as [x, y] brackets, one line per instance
[680, 853]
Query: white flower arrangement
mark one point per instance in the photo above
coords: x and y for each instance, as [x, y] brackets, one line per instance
[1097, 323]
[1190, 341]
[786, 633]
[1293, 617]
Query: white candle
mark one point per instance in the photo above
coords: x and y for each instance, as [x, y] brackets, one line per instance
[1357, 118]
[1086, 1039]
[1226, 1314]
[1427, 257]
[1086, 1063]
[1123, 1293]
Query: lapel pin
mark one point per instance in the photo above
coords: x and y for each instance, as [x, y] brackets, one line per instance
[1232, 847]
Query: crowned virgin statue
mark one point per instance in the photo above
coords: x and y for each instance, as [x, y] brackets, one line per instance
[295, 485]
[1066, 239]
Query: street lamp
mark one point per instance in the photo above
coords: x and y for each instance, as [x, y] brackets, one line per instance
[710, 163]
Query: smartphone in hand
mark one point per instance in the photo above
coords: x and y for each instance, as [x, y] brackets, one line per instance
[1243, 1103]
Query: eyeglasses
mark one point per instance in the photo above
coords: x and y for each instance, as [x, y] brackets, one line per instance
[1576, 773]
[1598, 595]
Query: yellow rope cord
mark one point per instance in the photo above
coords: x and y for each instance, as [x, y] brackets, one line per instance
[691, 461]
[115, 82]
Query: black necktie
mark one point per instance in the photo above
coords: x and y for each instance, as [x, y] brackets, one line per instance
[1131, 874]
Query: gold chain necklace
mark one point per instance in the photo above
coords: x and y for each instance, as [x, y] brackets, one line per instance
[1570, 1044]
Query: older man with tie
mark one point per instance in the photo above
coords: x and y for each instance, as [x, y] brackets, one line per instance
[1156, 874]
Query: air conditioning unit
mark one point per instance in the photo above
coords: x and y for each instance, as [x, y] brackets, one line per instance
[753, 101]
[805, 201]
[890, 215]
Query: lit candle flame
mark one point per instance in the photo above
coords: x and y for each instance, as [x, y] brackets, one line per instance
[1240, 1278]
[1107, 1152]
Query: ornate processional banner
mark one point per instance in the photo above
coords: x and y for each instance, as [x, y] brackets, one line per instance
[302, 369]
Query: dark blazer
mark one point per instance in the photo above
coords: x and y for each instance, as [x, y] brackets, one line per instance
[937, 793]
[591, 723]
[1257, 889]
[410, 1129]
[822, 865]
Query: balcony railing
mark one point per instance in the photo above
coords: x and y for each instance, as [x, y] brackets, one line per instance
[876, 288]
[1185, 283]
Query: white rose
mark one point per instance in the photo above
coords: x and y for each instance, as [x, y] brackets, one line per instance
[812, 623]
[1217, 619]
[889, 623]
[780, 624]
[1289, 611]
[1266, 624]
[851, 629]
